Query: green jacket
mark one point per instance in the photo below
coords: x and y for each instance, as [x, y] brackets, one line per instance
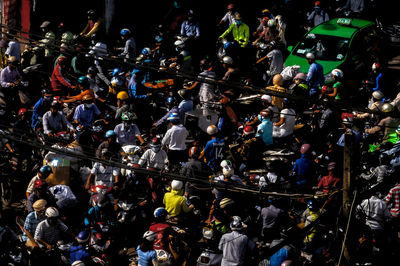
[241, 34]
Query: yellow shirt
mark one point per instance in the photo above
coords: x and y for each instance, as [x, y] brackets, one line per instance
[175, 203]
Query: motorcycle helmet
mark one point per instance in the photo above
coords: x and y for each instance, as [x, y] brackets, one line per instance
[174, 118]
[46, 170]
[225, 202]
[170, 101]
[160, 212]
[51, 212]
[300, 76]
[117, 72]
[375, 66]
[337, 73]
[150, 236]
[236, 224]
[146, 51]
[176, 184]
[122, 95]
[61, 60]
[78, 263]
[39, 205]
[22, 111]
[110, 133]
[387, 108]
[125, 32]
[227, 171]
[40, 184]
[266, 98]
[248, 130]
[347, 121]
[271, 23]
[227, 60]
[127, 116]
[155, 143]
[310, 56]
[377, 95]
[305, 148]
[212, 130]
[83, 237]
[225, 163]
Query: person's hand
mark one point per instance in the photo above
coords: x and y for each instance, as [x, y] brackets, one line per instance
[115, 188]
[48, 246]
[191, 206]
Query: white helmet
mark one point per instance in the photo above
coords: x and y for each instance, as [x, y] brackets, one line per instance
[176, 184]
[51, 212]
[227, 171]
[227, 60]
[163, 257]
[225, 163]
[266, 98]
[378, 95]
[271, 23]
[78, 263]
[337, 73]
[310, 56]
[212, 130]
[150, 235]
[179, 43]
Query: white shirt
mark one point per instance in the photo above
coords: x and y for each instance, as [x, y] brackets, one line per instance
[175, 138]
[104, 175]
[376, 212]
[154, 160]
[287, 127]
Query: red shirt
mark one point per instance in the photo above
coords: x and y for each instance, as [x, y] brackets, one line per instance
[162, 234]
[327, 183]
[58, 81]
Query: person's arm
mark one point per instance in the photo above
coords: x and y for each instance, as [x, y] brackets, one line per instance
[246, 36]
[94, 29]
[67, 123]
[223, 35]
[4, 83]
[376, 128]
[280, 122]
[60, 78]
[140, 139]
[334, 93]
[46, 128]
[89, 181]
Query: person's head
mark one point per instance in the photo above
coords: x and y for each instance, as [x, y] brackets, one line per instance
[55, 107]
[277, 80]
[22, 113]
[205, 64]
[125, 33]
[45, 26]
[170, 102]
[78, 263]
[230, 7]
[264, 114]
[128, 118]
[45, 171]
[160, 214]
[91, 14]
[12, 62]
[111, 136]
[337, 74]
[176, 185]
[39, 206]
[147, 241]
[92, 71]
[227, 168]
[62, 61]
[183, 93]
[174, 118]
[40, 186]
[100, 200]
[310, 57]
[299, 78]
[305, 149]
[331, 166]
[238, 19]
[225, 203]
[227, 61]
[83, 237]
[83, 83]
[155, 145]
[237, 224]
[377, 96]
[87, 101]
[212, 130]
[51, 214]
[194, 152]
[190, 15]
[376, 67]
[266, 100]
[347, 122]
[388, 108]
[122, 98]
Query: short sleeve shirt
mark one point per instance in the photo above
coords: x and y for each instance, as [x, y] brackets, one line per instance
[50, 233]
[104, 174]
[85, 116]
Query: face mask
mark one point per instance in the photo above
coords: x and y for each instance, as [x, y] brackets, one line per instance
[238, 22]
[52, 221]
[155, 149]
[88, 105]
[259, 118]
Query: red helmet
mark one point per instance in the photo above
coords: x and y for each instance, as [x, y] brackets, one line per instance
[230, 6]
[60, 60]
[22, 111]
[305, 148]
[248, 130]
[40, 184]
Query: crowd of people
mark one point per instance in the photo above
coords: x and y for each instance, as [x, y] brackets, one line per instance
[168, 155]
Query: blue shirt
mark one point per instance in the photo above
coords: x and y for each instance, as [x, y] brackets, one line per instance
[264, 130]
[302, 167]
[214, 152]
[190, 29]
[31, 223]
[315, 76]
[38, 111]
[186, 105]
[78, 253]
[133, 89]
[85, 116]
[146, 258]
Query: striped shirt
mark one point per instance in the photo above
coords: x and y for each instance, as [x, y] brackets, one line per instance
[50, 233]
[31, 222]
[394, 196]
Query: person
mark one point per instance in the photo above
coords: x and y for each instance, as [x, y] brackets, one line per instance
[304, 167]
[146, 254]
[59, 83]
[104, 175]
[186, 104]
[214, 150]
[272, 218]
[269, 33]
[10, 76]
[376, 104]
[232, 71]
[330, 182]
[42, 174]
[14, 47]
[22, 126]
[175, 203]
[48, 42]
[40, 191]
[55, 122]
[235, 244]
[277, 83]
[387, 124]
[85, 113]
[393, 197]
[355, 6]
[127, 132]
[228, 175]
[285, 126]
[49, 231]
[40, 108]
[94, 27]
[78, 251]
[266, 101]
[31, 222]
[190, 27]
[175, 139]
[315, 76]
[383, 172]
[155, 157]
[161, 227]
[265, 128]
[229, 15]
[337, 76]
[275, 61]
[317, 16]
[129, 50]
[309, 215]
[110, 143]
[239, 30]
[66, 36]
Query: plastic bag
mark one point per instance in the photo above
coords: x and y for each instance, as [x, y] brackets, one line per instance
[290, 72]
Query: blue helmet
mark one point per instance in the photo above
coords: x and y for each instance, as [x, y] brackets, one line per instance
[83, 236]
[125, 32]
[46, 170]
[117, 72]
[227, 45]
[170, 100]
[110, 133]
[174, 118]
[146, 51]
[160, 212]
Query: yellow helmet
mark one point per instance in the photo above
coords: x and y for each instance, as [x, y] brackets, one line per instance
[122, 95]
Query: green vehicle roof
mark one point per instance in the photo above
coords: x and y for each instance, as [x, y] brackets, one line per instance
[331, 27]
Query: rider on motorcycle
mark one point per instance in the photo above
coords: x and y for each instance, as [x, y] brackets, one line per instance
[55, 122]
[155, 157]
